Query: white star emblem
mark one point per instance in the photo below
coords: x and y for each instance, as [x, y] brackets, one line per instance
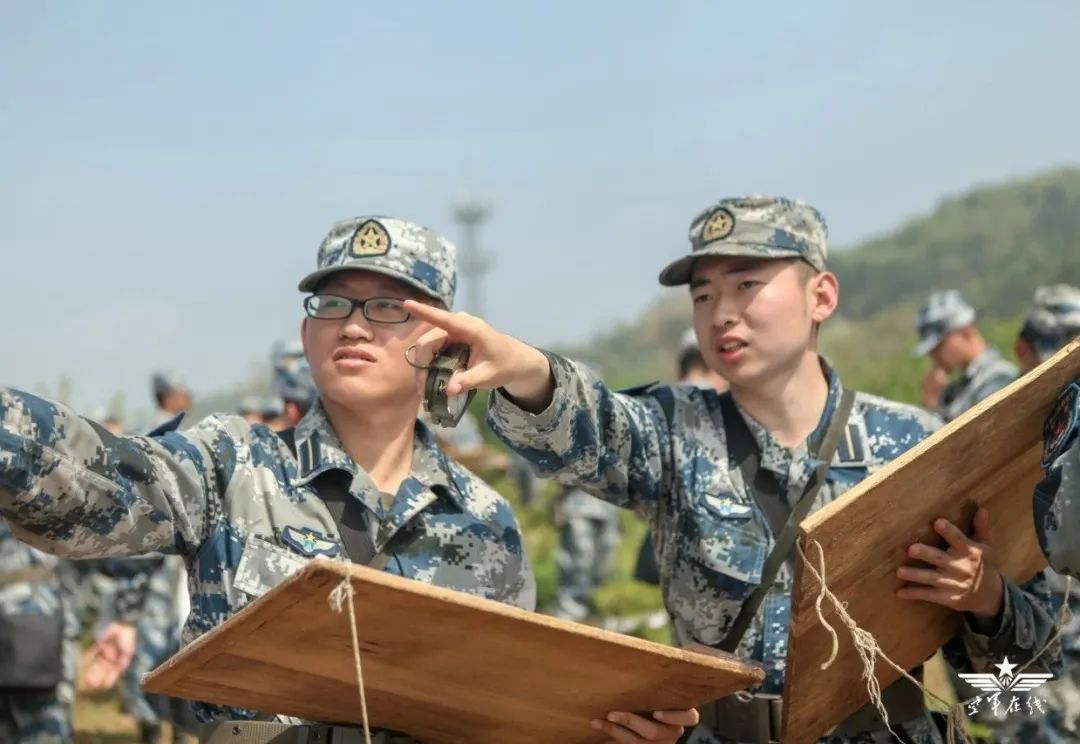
[1007, 680]
[1005, 668]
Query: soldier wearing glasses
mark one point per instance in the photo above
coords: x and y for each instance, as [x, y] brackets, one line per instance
[359, 478]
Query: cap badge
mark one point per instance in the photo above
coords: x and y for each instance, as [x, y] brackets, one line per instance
[370, 239]
[719, 225]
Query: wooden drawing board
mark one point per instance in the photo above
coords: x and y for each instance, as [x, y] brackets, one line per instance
[440, 665]
[987, 457]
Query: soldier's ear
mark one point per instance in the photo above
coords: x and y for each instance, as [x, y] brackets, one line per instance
[825, 294]
[1025, 354]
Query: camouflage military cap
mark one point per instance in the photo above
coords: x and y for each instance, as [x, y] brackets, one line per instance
[250, 404]
[271, 406]
[290, 373]
[942, 312]
[267, 406]
[1053, 318]
[397, 248]
[756, 226]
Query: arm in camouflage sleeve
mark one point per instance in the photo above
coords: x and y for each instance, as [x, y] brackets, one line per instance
[1023, 629]
[613, 445]
[69, 487]
[1026, 624]
[520, 588]
[1057, 512]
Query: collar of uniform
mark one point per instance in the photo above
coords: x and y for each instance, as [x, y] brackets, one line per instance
[980, 363]
[432, 468]
[318, 448]
[776, 457]
[429, 479]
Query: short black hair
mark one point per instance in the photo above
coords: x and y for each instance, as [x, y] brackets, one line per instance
[689, 360]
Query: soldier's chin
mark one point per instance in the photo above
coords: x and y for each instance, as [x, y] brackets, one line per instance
[747, 373]
[358, 395]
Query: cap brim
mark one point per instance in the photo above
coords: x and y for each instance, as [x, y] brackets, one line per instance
[311, 281]
[925, 346]
[678, 271]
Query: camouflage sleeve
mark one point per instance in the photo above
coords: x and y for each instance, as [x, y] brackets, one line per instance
[132, 583]
[1029, 619]
[615, 446]
[69, 487]
[1057, 512]
[1024, 631]
[520, 587]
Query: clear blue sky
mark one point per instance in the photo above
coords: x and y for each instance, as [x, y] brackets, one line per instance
[168, 172]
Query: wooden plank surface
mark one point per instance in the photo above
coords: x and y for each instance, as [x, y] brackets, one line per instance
[989, 457]
[440, 665]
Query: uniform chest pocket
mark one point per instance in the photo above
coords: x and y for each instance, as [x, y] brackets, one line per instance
[731, 548]
[264, 565]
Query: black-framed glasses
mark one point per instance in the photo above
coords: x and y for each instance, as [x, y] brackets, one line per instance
[375, 309]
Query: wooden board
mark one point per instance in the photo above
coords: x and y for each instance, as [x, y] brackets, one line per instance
[443, 666]
[990, 457]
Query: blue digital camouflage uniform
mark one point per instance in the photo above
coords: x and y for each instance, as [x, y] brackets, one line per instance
[264, 408]
[290, 374]
[1057, 503]
[711, 539]
[44, 717]
[588, 539]
[1052, 321]
[157, 631]
[663, 452]
[233, 499]
[149, 592]
[942, 313]
[979, 380]
[1057, 523]
[39, 717]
